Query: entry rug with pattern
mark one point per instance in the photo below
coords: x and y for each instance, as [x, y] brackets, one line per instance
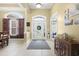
[38, 44]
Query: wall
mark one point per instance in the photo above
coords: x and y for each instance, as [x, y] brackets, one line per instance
[28, 13]
[1, 24]
[2, 14]
[43, 12]
[72, 30]
[59, 8]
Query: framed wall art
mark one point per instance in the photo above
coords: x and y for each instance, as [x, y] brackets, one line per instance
[67, 21]
[27, 23]
[76, 21]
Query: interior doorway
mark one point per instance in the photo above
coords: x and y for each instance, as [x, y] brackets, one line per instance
[53, 25]
[13, 23]
[39, 27]
[13, 27]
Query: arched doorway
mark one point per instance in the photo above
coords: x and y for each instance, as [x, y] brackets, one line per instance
[39, 27]
[13, 26]
[13, 23]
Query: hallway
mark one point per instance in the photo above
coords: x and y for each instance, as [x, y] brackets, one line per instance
[26, 22]
[19, 48]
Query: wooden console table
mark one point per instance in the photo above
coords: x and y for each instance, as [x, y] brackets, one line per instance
[65, 48]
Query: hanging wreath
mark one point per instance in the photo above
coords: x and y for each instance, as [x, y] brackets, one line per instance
[38, 27]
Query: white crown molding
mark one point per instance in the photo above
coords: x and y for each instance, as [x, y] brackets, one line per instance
[11, 9]
[20, 5]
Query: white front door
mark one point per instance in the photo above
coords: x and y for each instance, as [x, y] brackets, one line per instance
[13, 27]
[38, 29]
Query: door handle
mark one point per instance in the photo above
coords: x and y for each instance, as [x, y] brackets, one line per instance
[44, 34]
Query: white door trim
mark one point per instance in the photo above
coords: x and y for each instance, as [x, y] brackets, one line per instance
[54, 16]
[45, 24]
[10, 26]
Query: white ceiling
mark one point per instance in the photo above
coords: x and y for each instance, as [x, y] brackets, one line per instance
[10, 7]
[44, 5]
[19, 6]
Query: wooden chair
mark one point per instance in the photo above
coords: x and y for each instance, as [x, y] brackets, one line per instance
[4, 37]
[1, 41]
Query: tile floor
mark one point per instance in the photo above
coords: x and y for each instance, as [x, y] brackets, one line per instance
[18, 47]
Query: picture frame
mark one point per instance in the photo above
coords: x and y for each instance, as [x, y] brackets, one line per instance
[28, 24]
[67, 21]
[76, 21]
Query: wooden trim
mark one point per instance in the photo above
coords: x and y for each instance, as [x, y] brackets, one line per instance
[6, 25]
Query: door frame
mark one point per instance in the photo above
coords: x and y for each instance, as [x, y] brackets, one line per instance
[45, 25]
[10, 21]
[54, 16]
[18, 16]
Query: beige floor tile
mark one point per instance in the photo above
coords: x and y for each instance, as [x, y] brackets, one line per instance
[18, 47]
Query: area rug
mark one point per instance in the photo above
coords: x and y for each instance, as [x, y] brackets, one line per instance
[38, 44]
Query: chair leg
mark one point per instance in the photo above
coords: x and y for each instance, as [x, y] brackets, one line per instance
[7, 42]
[2, 44]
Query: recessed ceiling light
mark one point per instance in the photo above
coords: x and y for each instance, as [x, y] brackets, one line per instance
[38, 5]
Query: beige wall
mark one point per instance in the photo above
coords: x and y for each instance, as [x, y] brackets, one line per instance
[43, 12]
[72, 30]
[2, 14]
[60, 8]
[1, 23]
[28, 17]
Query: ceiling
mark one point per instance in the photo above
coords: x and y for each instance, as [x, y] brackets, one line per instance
[44, 5]
[30, 5]
[9, 5]
[19, 6]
